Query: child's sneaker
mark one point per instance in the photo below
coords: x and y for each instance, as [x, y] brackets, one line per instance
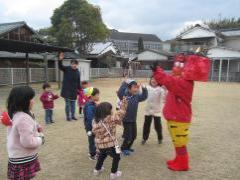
[98, 172]
[144, 142]
[126, 152]
[131, 150]
[74, 118]
[160, 141]
[92, 158]
[115, 175]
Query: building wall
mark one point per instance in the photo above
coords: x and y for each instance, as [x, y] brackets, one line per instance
[193, 44]
[151, 56]
[166, 46]
[198, 33]
[84, 68]
[166, 65]
[233, 43]
[132, 46]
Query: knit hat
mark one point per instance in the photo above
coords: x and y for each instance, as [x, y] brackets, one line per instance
[131, 82]
[88, 91]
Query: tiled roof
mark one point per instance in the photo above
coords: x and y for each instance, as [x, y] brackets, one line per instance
[6, 27]
[116, 35]
[101, 47]
[231, 32]
[162, 52]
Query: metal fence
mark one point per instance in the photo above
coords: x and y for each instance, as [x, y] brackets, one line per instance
[14, 76]
[225, 70]
[117, 72]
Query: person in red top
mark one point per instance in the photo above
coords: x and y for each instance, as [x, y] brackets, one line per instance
[82, 97]
[47, 99]
[178, 109]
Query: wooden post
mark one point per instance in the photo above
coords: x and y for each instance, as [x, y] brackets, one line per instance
[59, 79]
[59, 75]
[228, 70]
[45, 67]
[212, 69]
[56, 70]
[27, 69]
[12, 78]
[220, 71]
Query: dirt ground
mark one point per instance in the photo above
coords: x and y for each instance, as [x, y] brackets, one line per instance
[214, 145]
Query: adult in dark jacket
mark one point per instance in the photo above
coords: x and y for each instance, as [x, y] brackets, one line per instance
[130, 90]
[70, 86]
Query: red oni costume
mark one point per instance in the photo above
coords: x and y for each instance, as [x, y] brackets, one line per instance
[177, 109]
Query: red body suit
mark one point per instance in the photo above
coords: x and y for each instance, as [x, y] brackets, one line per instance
[179, 97]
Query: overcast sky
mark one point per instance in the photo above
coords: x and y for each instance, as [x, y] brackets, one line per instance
[162, 17]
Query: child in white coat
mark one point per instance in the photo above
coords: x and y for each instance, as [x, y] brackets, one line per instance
[156, 95]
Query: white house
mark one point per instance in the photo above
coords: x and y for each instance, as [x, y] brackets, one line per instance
[102, 54]
[231, 38]
[222, 46]
[148, 57]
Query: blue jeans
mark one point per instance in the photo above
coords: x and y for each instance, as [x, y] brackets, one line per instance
[70, 106]
[92, 147]
[48, 115]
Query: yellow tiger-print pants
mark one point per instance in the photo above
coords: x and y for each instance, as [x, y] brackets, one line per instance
[179, 132]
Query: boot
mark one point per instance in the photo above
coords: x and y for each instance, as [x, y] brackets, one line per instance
[181, 164]
[170, 162]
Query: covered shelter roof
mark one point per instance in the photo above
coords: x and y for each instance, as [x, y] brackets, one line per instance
[29, 47]
[223, 53]
[33, 56]
[14, 46]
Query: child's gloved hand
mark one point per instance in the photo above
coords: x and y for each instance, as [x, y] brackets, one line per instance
[124, 103]
[89, 133]
[39, 128]
[61, 56]
[41, 135]
[5, 119]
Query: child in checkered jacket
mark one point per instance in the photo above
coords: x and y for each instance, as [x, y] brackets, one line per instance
[104, 129]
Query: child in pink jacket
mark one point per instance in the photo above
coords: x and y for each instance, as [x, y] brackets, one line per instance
[82, 97]
[24, 135]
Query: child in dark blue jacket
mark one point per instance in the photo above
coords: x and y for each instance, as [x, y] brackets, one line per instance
[130, 89]
[89, 114]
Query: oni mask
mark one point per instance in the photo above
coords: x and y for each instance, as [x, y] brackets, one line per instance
[191, 67]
